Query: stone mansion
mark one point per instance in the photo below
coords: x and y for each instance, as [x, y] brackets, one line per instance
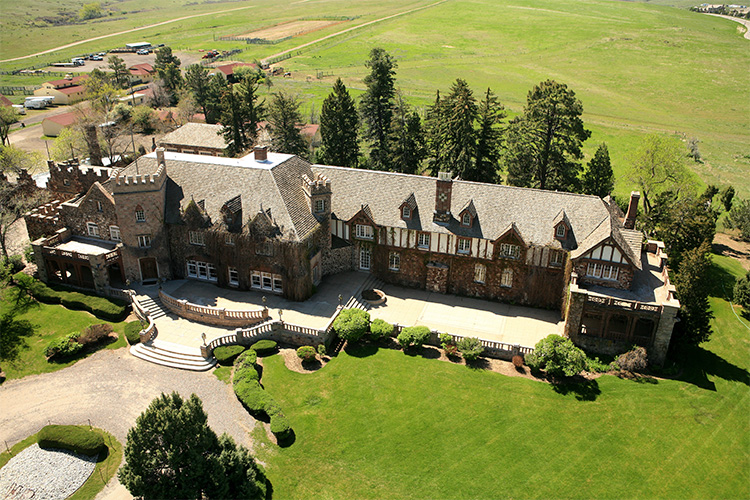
[276, 223]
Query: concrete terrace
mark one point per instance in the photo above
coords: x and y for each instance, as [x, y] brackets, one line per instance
[445, 313]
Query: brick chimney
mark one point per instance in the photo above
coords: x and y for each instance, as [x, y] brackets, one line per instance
[632, 210]
[443, 189]
[160, 156]
[260, 153]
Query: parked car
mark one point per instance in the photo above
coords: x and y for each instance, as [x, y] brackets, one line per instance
[96, 57]
[142, 52]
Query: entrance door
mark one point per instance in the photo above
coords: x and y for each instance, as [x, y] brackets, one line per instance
[364, 259]
[149, 271]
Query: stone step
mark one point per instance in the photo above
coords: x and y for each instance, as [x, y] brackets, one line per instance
[155, 307]
[164, 355]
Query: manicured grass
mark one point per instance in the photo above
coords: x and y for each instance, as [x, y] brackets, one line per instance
[106, 466]
[378, 423]
[223, 373]
[49, 322]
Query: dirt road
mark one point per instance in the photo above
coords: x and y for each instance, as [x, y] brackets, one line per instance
[744, 22]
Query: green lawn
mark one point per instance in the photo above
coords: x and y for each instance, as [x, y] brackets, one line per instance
[378, 423]
[106, 466]
[49, 322]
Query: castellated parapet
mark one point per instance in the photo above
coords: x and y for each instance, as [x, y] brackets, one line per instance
[145, 182]
[70, 178]
[321, 185]
[43, 220]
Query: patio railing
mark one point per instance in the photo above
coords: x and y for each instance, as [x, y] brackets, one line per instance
[492, 349]
[212, 315]
[275, 329]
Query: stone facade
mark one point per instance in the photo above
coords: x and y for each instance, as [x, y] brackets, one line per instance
[68, 179]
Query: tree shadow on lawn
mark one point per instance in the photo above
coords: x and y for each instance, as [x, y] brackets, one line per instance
[13, 333]
[583, 388]
[721, 284]
[698, 363]
[360, 349]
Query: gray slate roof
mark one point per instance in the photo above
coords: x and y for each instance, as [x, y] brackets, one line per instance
[534, 212]
[197, 135]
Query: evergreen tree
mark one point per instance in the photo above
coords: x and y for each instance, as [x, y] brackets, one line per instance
[544, 144]
[283, 121]
[727, 195]
[167, 67]
[233, 122]
[599, 179]
[338, 128]
[489, 141]
[376, 106]
[252, 110]
[692, 282]
[117, 65]
[407, 139]
[198, 82]
[459, 141]
[172, 453]
[435, 131]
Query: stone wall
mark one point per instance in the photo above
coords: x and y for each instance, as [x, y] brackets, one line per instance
[77, 216]
[195, 150]
[67, 179]
[337, 260]
[43, 220]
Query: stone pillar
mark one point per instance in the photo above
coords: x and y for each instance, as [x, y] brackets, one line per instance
[658, 352]
[100, 272]
[574, 313]
[41, 264]
[437, 277]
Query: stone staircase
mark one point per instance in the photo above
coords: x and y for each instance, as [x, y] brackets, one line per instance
[356, 302]
[172, 355]
[153, 305]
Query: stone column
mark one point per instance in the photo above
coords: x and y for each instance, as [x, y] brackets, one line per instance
[574, 314]
[663, 334]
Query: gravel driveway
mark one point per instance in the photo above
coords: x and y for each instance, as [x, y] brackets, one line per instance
[112, 388]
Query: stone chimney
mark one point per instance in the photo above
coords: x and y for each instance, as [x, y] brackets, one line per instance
[629, 222]
[260, 153]
[160, 156]
[92, 141]
[443, 189]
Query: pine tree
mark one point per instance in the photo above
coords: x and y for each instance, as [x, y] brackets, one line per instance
[283, 121]
[692, 282]
[253, 110]
[407, 139]
[460, 143]
[544, 144]
[167, 67]
[599, 179]
[198, 82]
[338, 128]
[435, 134]
[233, 122]
[489, 141]
[376, 106]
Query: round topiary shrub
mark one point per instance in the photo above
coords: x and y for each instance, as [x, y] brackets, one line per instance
[413, 336]
[71, 437]
[351, 324]
[226, 354]
[558, 356]
[518, 361]
[264, 347]
[306, 353]
[280, 426]
[471, 348]
[380, 329]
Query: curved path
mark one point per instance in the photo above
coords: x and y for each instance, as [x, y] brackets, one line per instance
[124, 32]
[744, 22]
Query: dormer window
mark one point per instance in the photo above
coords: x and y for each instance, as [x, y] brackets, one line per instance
[560, 231]
[406, 212]
[466, 220]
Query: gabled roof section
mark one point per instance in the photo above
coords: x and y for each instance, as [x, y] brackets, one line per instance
[95, 187]
[410, 202]
[470, 208]
[234, 205]
[191, 134]
[610, 229]
[561, 217]
[512, 229]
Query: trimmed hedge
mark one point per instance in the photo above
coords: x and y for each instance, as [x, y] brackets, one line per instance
[351, 324]
[413, 336]
[380, 329]
[264, 347]
[133, 332]
[306, 352]
[71, 437]
[226, 354]
[103, 308]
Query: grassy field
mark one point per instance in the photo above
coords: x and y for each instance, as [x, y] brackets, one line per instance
[49, 322]
[637, 67]
[377, 423]
[105, 468]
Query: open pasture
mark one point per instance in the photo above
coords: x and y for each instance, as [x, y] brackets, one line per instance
[292, 28]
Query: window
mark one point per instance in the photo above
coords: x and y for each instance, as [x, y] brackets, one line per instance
[507, 278]
[192, 269]
[466, 219]
[277, 283]
[255, 279]
[266, 280]
[406, 212]
[264, 248]
[556, 258]
[364, 259]
[93, 229]
[229, 239]
[510, 251]
[212, 276]
[202, 271]
[603, 271]
[394, 261]
[423, 240]
[99, 207]
[197, 238]
[320, 206]
[560, 233]
[364, 232]
[480, 273]
[140, 215]
[144, 240]
[114, 233]
[464, 245]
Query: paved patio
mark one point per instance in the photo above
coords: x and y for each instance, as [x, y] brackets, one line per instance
[446, 313]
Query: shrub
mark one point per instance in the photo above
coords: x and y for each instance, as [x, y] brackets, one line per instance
[446, 339]
[226, 354]
[280, 426]
[103, 308]
[742, 291]
[247, 358]
[322, 349]
[558, 355]
[64, 347]
[351, 324]
[597, 366]
[635, 360]
[518, 361]
[15, 263]
[471, 348]
[133, 332]
[380, 329]
[95, 334]
[264, 347]
[306, 353]
[413, 336]
[71, 437]
[28, 253]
